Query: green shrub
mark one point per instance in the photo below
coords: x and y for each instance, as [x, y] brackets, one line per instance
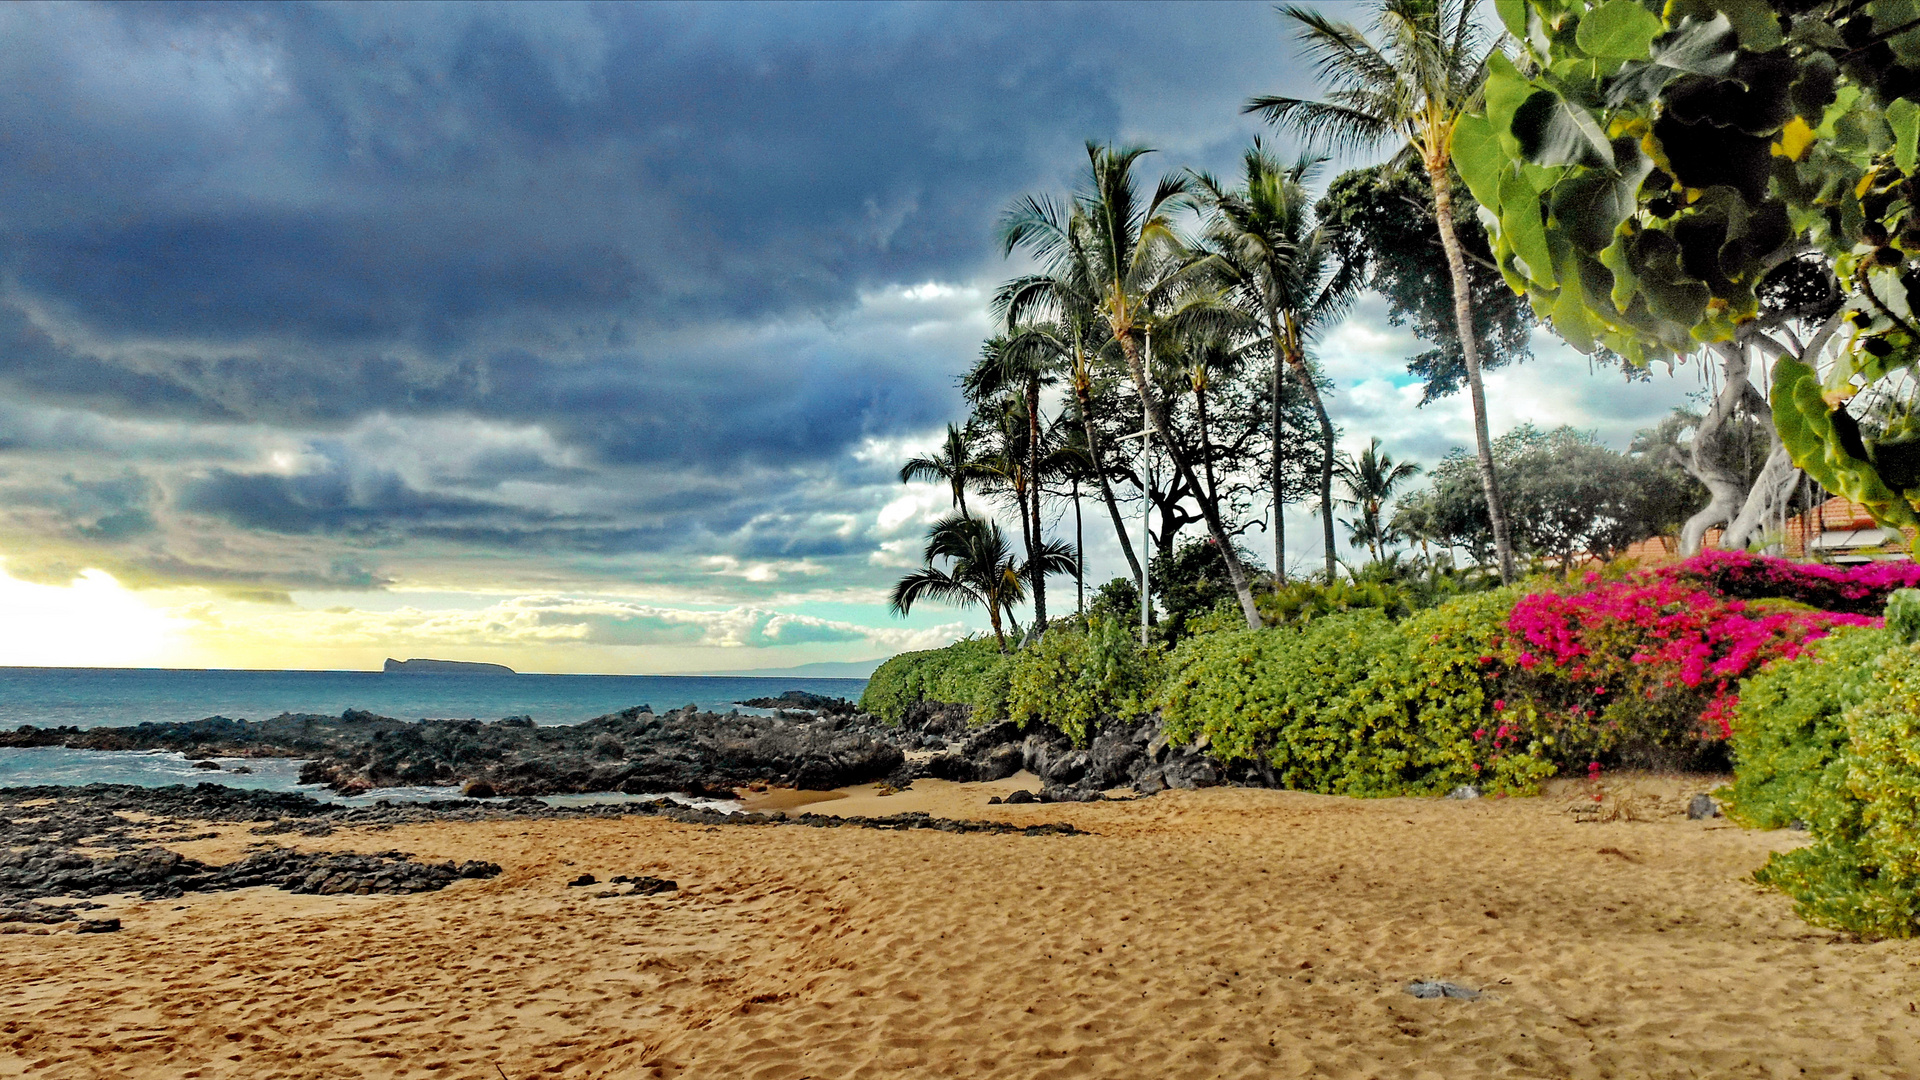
[1073, 675]
[1862, 872]
[1117, 599]
[1226, 616]
[1903, 615]
[1354, 704]
[1788, 731]
[1299, 602]
[971, 672]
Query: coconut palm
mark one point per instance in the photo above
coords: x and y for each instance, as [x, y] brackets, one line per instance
[981, 571]
[1288, 270]
[1427, 69]
[1020, 365]
[1141, 274]
[1075, 340]
[1371, 480]
[953, 464]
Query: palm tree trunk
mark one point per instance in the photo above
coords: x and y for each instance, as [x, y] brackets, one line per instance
[1298, 364]
[1470, 353]
[1279, 479]
[1033, 481]
[1326, 467]
[1020, 487]
[1079, 555]
[1157, 420]
[1206, 444]
[1106, 486]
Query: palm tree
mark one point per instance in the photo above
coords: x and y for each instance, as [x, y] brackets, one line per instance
[1429, 67]
[1141, 272]
[1371, 480]
[1019, 365]
[952, 464]
[1075, 338]
[1287, 269]
[981, 571]
[1415, 519]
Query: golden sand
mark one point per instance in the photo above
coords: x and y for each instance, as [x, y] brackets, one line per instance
[1195, 934]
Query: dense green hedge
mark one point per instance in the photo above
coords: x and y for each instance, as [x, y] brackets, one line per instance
[972, 672]
[1356, 704]
[1788, 732]
[1074, 674]
[1862, 871]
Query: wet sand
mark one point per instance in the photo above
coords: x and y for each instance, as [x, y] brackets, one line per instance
[1195, 934]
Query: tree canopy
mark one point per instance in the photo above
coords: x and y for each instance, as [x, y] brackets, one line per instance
[1384, 223]
[1650, 170]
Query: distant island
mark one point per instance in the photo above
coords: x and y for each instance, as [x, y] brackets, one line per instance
[444, 667]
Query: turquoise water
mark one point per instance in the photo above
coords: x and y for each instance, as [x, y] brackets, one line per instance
[111, 697]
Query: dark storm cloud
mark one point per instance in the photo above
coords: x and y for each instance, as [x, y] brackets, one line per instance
[331, 501]
[647, 230]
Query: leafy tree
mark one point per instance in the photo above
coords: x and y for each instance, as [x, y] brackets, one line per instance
[1383, 218]
[1570, 496]
[1371, 480]
[1190, 581]
[1141, 272]
[981, 571]
[1651, 171]
[1118, 599]
[1423, 76]
[1291, 273]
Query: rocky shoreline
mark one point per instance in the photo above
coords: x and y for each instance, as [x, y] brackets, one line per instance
[80, 843]
[810, 742]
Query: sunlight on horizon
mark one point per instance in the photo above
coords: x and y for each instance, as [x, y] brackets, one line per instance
[92, 622]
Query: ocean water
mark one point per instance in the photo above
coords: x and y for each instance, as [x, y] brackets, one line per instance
[111, 697]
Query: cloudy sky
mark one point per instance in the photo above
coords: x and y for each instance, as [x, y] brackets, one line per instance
[574, 337]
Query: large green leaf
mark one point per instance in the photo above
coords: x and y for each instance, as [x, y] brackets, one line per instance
[1904, 116]
[1695, 47]
[1589, 208]
[1555, 131]
[1619, 29]
[1513, 13]
[1479, 157]
[1521, 225]
[1506, 89]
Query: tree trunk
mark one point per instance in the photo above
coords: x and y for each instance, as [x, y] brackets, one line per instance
[1034, 541]
[993, 617]
[1020, 502]
[1326, 472]
[1106, 485]
[1304, 376]
[1206, 443]
[1727, 489]
[1079, 555]
[1771, 490]
[1157, 420]
[1470, 353]
[1279, 442]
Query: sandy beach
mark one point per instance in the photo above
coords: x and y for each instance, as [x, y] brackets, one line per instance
[1224, 932]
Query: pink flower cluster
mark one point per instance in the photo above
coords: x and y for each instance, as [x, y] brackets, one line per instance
[1860, 589]
[1655, 649]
